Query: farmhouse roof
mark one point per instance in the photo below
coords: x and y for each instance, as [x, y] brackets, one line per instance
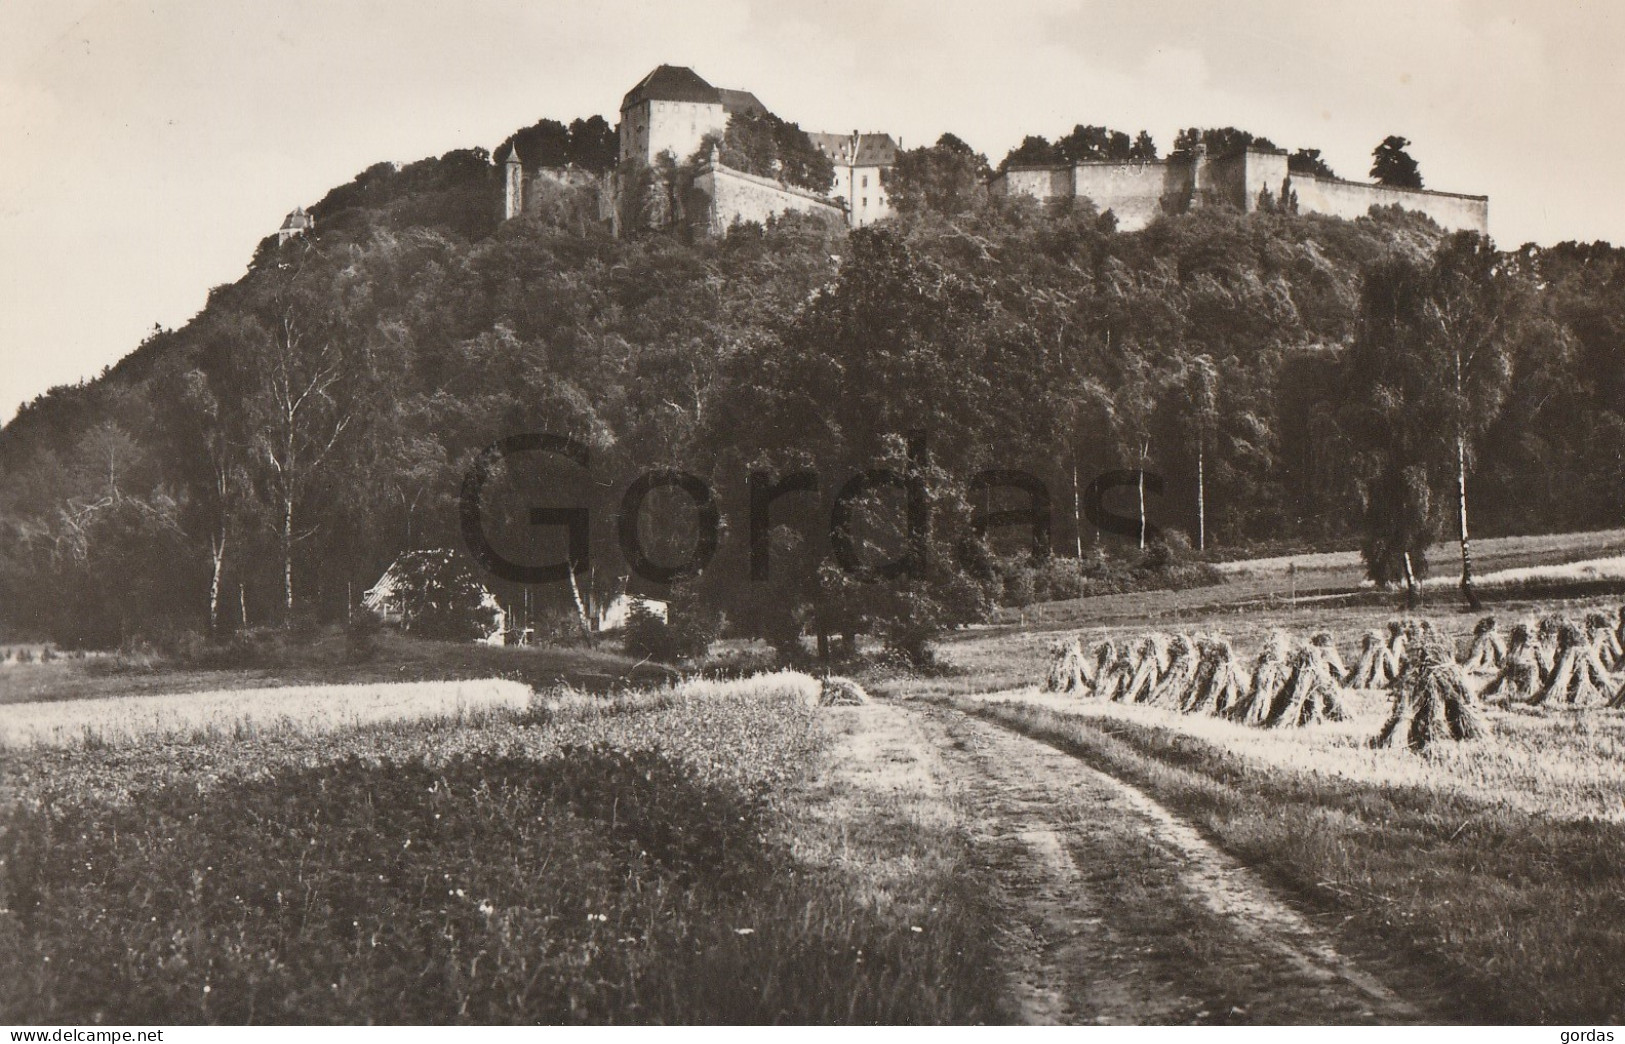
[672, 83]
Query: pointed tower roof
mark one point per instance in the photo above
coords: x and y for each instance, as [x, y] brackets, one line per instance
[513, 153]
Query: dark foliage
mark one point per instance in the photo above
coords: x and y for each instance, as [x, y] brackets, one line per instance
[1392, 165]
[1082, 145]
[1308, 161]
[685, 634]
[1220, 141]
[763, 144]
[945, 178]
[590, 144]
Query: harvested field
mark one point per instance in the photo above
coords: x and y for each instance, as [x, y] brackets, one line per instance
[305, 709]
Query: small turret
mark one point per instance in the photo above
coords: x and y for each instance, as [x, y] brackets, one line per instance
[295, 224]
[1198, 174]
[513, 193]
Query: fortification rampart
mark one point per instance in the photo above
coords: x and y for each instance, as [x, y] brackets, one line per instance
[736, 196]
[1352, 199]
[1137, 192]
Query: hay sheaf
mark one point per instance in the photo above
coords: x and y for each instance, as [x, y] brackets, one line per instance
[1310, 695]
[1220, 681]
[1431, 702]
[1488, 652]
[1068, 670]
[1376, 667]
[841, 692]
[1577, 678]
[1520, 677]
[1151, 665]
[1174, 686]
[1603, 641]
[1270, 677]
[1324, 645]
[1115, 676]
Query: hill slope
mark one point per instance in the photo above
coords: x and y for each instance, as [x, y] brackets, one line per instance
[413, 329]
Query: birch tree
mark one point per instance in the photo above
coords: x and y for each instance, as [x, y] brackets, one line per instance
[299, 407]
[1473, 310]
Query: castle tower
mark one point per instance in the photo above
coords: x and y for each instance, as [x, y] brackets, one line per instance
[672, 109]
[513, 194]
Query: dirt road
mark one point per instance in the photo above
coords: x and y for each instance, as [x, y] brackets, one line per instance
[1116, 912]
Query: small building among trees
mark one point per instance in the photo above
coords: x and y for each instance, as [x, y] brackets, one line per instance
[437, 594]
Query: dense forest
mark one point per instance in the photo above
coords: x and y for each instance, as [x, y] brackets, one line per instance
[1277, 376]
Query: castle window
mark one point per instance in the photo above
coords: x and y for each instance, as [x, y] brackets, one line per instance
[866, 181]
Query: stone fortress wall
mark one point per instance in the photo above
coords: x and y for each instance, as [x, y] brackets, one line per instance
[1136, 193]
[736, 196]
[1351, 199]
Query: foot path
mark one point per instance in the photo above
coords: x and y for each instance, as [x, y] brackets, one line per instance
[1116, 911]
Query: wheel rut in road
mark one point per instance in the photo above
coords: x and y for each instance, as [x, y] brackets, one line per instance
[1118, 912]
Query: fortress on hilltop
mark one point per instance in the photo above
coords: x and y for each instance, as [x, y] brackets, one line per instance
[669, 114]
[672, 112]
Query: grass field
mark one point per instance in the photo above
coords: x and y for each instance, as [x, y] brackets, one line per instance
[1558, 566]
[325, 660]
[652, 857]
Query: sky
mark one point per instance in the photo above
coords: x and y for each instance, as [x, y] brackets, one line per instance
[146, 148]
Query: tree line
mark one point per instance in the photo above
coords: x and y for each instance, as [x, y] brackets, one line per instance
[1291, 380]
[1391, 164]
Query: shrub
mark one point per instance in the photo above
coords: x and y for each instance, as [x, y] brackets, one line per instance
[685, 634]
[1167, 564]
[361, 635]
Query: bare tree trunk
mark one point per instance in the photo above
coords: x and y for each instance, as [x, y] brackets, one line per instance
[217, 553]
[581, 607]
[1411, 598]
[287, 558]
[1141, 484]
[242, 605]
[1077, 510]
[1466, 544]
[1201, 498]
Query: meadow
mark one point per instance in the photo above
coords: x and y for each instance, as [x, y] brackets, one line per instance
[651, 857]
[273, 659]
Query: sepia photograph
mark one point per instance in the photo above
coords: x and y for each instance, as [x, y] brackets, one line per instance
[588, 513]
